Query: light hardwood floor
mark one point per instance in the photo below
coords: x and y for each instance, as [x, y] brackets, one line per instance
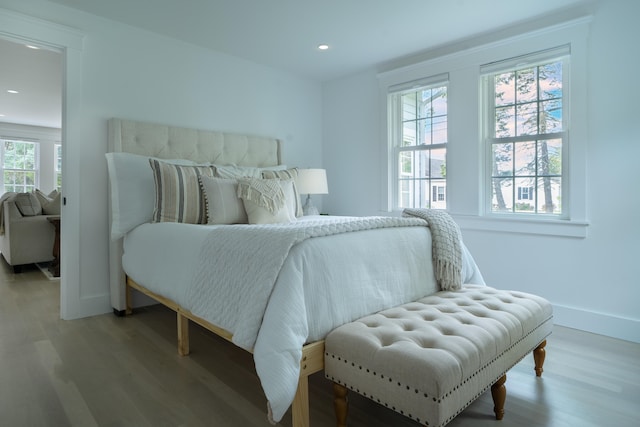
[110, 371]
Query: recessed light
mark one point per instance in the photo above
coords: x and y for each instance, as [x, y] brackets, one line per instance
[323, 46]
[12, 91]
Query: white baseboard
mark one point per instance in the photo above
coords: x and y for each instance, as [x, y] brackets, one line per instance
[597, 323]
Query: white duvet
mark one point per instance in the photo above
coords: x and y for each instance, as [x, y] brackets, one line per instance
[324, 282]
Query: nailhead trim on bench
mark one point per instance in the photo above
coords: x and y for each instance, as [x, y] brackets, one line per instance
[496, 361]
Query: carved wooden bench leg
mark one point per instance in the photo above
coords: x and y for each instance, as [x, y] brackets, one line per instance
[538, 356]
[341, 404]
[499, 394]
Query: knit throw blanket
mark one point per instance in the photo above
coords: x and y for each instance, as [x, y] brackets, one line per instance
[447, 246]
[237, 270]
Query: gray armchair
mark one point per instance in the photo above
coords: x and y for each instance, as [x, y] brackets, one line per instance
[26, 239]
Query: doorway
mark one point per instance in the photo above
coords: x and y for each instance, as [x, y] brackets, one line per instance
[68, 42]
[31, 151]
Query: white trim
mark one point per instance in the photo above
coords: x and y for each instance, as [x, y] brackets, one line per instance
[69, 41]
[461, 54]
[598, 323]
[419, 83]
[538, 226]
[526, 60]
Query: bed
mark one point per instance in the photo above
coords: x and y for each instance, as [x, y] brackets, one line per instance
[287, 285]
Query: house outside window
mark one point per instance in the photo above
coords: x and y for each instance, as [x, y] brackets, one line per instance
[418, 128]
[20, 159]
[526, 134]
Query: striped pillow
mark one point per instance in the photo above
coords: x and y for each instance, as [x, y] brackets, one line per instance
[287, 174]
[179, 197]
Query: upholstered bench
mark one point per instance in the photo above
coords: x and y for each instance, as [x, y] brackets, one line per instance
[431, 358]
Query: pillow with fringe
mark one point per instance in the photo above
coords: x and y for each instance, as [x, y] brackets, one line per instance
[265, 200]
[287, 174]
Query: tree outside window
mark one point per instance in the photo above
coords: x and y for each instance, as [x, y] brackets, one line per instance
[19, 166]
[527, 140]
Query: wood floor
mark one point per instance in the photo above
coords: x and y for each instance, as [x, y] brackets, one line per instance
[109, 371]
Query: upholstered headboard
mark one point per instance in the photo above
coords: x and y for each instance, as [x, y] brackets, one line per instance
[171, 142]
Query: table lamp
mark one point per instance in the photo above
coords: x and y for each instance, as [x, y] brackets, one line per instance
[311, 181]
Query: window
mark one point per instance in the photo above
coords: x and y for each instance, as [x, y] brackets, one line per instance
[526, 134]
[58, 166]
[19, 165]
[418, 137]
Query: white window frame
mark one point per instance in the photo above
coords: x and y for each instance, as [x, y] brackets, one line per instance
[395, 126]
[36, 162]
[487, 100]
[466, 157]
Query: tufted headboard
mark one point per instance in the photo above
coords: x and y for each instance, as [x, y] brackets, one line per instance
[171, 142]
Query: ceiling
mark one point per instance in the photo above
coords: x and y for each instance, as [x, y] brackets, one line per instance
[37, 76]
[284, 34]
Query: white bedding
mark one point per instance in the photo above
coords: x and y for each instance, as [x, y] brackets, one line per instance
[320, 286]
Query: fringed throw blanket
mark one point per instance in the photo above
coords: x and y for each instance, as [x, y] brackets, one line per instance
[447, 246]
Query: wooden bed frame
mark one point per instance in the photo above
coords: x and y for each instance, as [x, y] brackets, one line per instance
[312, 354]
[170, 142]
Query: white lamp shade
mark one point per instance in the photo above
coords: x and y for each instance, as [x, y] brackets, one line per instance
[312, 181]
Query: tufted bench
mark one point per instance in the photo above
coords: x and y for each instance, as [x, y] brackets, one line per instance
[431, 358]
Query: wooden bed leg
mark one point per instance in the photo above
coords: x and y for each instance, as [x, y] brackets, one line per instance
[340, 404]
[499, 394]
[538, 356]
[183, 335]
[127, 298]
[300, 406]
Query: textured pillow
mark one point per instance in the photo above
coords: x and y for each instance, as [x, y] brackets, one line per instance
[28, 204]
[132, 190]
[222, 201]
[287, 174]
[50, 202]
[179, 197]
[265, 200]
[53, 206]
[233, 171]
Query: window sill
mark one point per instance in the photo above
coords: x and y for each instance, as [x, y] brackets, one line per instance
[544, 227]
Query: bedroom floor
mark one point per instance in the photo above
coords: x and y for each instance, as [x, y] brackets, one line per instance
[110, 371]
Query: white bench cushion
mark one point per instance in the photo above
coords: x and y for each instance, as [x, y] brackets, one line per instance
[429, 359]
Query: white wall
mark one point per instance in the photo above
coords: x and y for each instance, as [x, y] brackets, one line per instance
[591, 281]
[129, 73]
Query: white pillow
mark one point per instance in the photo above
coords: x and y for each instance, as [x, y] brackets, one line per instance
[233, 171]
[132, 190]
[28, 204]
[52, 207]
[267, 201]
[287, 174]
[223, 204]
